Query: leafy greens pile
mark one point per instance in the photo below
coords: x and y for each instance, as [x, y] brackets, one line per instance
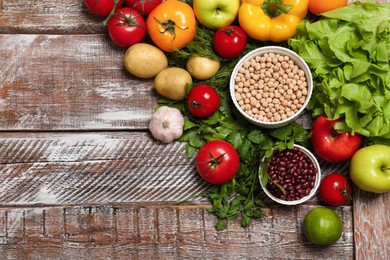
[348, 52]
[238, 198]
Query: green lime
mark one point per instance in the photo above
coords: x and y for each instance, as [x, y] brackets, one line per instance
[322, 226]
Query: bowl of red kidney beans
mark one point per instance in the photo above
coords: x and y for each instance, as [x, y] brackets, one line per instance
[294, 176]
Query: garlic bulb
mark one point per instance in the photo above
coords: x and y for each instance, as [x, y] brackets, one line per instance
[166, 124]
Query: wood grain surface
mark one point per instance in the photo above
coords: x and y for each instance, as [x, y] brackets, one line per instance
[82, 178]
[159, 232]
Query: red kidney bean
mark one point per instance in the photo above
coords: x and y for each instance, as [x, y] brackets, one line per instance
[292, 170]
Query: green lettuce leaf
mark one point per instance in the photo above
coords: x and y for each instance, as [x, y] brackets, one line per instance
[348, 52]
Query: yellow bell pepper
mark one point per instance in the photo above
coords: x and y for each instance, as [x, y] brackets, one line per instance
[271, 20]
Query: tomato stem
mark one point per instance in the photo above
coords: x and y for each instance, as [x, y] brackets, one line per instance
[116, 2]
[130, 21]
[213, 162]
[196, 104]
[230, 31]
[169, 26]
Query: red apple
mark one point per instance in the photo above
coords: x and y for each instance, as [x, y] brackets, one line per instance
[331, 145]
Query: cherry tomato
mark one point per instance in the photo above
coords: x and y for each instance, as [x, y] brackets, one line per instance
[335, 189]
[144, 7]
[126, 27]
[217, 162]
[203, 101]
[102, 7]
[321, 6]
[229, 41]
[171, 25]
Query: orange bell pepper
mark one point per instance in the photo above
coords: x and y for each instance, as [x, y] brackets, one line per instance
[271, 20]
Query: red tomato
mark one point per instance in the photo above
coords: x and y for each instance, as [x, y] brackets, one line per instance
[102, 7]
[126, 27]
[203, 101]
[335, 189]
[321, 6]
[217, 162]
[144, 7]
[229, 41]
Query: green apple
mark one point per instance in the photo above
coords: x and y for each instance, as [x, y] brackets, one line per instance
[215, 14]
[370, 168]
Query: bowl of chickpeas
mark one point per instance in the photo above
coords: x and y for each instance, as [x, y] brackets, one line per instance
[271, 86]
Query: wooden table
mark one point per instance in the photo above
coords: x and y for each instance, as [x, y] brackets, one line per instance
[82, 178]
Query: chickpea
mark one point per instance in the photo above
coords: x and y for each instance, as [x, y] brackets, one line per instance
[256, 76]
[293, 107]
[270, 87]
[253, 101]
[277, 117]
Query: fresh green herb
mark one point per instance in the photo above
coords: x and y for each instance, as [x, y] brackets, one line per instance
[348, 51]
[238, 198]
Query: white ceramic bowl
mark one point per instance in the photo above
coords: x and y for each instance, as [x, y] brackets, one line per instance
[312, 192]
[277, 50]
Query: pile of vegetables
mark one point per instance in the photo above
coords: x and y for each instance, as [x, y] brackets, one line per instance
[347, 50]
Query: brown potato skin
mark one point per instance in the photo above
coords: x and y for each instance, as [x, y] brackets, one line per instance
[144, 60]
[202, 68]
[171, 83]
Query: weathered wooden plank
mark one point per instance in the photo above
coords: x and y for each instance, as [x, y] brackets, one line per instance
[77, 82]
[102, 167]
[164, 232]
[372, 225]
[51, 82]
[48, 17]
[97, 168]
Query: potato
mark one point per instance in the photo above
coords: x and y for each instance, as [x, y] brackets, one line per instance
[145, 60]
[171, 83]
[202, 68]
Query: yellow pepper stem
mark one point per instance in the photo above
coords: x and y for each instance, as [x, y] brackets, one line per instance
[274, 8]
